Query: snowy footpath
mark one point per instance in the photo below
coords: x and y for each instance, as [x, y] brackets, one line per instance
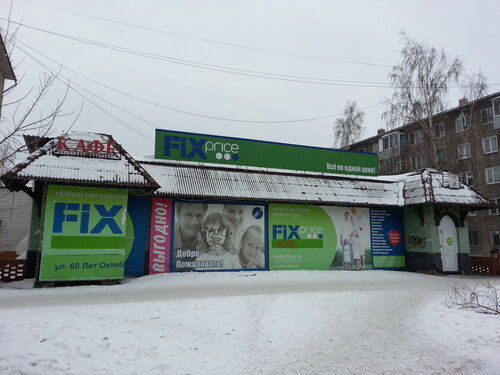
[288, 322]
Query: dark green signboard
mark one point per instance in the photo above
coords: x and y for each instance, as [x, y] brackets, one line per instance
[237, 151]
[84, 233]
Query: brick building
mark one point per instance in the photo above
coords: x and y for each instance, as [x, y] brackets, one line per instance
[467, 145]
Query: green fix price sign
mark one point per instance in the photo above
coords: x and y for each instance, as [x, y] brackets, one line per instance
[84, 233]
[300, 237]
[245, 152]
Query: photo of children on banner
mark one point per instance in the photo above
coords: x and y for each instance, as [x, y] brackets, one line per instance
[251, 252]
[216, 245]
[352, 248]
[227, 237]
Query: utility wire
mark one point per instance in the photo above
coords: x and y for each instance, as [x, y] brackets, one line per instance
[227, 44]
[182, 111]
[194, 89]
[213, 67]
[70, 85]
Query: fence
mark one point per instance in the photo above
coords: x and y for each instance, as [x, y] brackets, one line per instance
[486, 264]
[11, 269]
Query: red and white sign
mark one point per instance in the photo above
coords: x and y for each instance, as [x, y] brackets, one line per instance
[394, 237]
[82, 147]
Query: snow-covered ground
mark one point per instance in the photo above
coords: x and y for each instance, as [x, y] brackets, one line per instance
[288, 322]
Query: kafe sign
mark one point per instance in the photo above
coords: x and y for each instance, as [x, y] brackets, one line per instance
[82, 147]
[245, 152]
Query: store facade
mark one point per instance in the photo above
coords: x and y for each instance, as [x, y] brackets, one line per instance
[208, 203]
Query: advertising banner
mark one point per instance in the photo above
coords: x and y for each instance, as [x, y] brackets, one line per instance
[160, 235]
[84, 233]
[219, 236]
[318, 238]
[237, 151]
[387, 238]
[137, 232]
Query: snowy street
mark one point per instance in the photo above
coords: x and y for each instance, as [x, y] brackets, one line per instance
[289, 322]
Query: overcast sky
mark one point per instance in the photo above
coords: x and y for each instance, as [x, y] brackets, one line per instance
[201, 66]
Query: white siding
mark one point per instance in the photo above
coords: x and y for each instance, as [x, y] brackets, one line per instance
[15, 216]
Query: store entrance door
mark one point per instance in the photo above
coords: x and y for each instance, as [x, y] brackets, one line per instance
[449, 246]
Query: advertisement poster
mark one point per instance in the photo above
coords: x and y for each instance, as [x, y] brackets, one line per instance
[387, 238]
[84, 233]
[219, 236]
[160, 235]
[318, 238]
[137, 232]
[175, 145]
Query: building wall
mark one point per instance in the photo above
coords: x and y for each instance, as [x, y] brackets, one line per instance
[408, 157]
[423, 249]
[15, 213]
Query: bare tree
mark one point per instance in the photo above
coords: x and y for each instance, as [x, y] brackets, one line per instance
[421, 82]
[29, 114]
[349, 128]
[483, 297]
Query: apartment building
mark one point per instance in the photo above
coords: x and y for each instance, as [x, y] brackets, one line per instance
[467, 145]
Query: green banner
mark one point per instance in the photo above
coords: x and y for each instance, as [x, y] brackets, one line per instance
[84, 233]
[301, 237]
[245, 152]
[319, 237]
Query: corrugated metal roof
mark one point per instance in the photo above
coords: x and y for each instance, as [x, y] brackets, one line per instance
[431, 186]
[202, 182]
[209, 182]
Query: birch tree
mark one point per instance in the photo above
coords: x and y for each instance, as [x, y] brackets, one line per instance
[421, 81]
[348, 128]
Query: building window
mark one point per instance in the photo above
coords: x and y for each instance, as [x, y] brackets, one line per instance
[493, 175]
[390, 141]
[472, 213]
[439, 130]
[416, 137]
[473, 238]
[442, 155]
[496, 210]
[486, 115]
[417, 162]
[464, 150]
[462, 122]
[490, 144]
[495, 237]
[466, 178]
[496, 107]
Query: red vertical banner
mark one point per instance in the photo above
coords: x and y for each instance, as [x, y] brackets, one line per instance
[160, 235]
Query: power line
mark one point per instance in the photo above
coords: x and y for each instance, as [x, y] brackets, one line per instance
[175, 109]
[182, 111]
[70, 85]
[194, 89]
[214, 67]
[227, 44]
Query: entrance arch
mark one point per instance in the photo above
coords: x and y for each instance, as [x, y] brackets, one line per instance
[449, 244]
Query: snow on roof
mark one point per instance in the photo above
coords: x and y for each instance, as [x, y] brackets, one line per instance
[432, 186]
[189, 180]
[221, 183]
[44, 165]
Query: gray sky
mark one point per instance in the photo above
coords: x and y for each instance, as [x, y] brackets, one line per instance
[354, 41]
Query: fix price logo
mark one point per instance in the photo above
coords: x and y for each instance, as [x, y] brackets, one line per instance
[200, 148]
[81, 213]
[292, 236]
